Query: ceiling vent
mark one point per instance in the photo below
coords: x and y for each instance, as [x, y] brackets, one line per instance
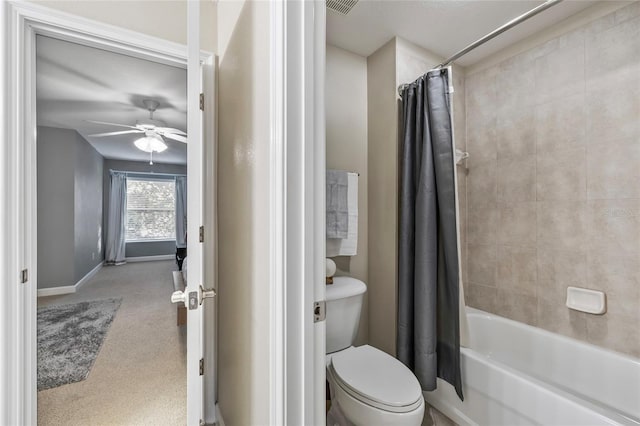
[341, 6]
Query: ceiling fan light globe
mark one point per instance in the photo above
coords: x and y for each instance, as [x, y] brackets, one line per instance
[150, 144]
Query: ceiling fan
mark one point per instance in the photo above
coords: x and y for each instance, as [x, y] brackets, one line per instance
[153, 129]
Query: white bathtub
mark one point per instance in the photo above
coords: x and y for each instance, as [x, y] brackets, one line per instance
[515, 374]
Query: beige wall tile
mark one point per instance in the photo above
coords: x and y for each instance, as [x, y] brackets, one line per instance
[482, 225]
[613, 107]
[517, 224]
[614, 274]
[554, 181]
[480, 95]
[515, 84]
[517, 179]
[613, 169]
[560, 72]
[553, 315]
[562, 225]
[516, 269]
[626, 13]
[560, 124]
[559, 269]
[481, 297]
[614, 226]
[562, 175]
[517, 306]
[481, 140]
[464, 253]
[482, 264]
[515, 133]
[614, 51]
[482, 183]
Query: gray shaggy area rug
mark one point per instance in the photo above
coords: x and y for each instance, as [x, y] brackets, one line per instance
[69, 339]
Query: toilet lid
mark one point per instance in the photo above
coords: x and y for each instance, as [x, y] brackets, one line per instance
[377, 377]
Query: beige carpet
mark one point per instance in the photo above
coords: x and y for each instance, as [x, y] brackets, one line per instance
[139, 377]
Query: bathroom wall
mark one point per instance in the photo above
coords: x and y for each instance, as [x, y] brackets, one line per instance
[395, 63]
[165, 19]
[382, 163]
[243, 215]
[554, 180]
[346, 138]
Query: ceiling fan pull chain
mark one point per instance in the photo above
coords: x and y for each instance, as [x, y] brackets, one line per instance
[151, 158]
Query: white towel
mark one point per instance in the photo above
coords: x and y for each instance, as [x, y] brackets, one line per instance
[347, 246]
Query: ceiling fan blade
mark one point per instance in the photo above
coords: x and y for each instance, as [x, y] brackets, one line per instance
[124, 132]
[175, 137]
[171, 130]
[111, 124]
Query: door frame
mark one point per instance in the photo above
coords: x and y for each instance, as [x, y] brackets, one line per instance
[21, 22]
[298, 49]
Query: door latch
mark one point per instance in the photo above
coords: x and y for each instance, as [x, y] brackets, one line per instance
[319, 311]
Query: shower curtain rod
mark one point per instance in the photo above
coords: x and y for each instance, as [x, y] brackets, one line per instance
[146, 173]
[533, 12]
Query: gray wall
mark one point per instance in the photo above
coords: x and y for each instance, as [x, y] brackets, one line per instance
[69, 207]
[55, 207]
[137, 249]
[88, 208]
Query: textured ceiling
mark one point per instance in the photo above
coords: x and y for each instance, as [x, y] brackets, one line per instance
[75, 83]
[442, 27]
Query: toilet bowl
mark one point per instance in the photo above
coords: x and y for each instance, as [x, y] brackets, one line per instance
[373, 388]
[368, 386]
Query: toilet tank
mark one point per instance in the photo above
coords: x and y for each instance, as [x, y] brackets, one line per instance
[344, 303]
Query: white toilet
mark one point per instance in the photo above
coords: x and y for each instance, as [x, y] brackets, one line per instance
[368, 386]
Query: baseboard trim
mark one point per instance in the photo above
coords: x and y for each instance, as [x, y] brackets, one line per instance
[219, 419]
[151, 258]
[66, 289]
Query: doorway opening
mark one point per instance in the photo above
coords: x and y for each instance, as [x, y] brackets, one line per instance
[111, 191]
[26, 24]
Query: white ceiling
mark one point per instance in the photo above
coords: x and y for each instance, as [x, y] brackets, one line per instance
[440, 26]
[75, 83]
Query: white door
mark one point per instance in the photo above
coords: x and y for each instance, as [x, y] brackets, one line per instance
[197, 290]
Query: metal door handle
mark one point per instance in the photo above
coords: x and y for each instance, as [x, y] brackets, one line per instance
[178, 297]
[194, 298]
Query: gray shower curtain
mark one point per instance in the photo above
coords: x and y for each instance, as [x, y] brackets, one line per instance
[428, 339]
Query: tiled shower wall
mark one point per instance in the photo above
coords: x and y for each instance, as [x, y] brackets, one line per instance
[553, 186]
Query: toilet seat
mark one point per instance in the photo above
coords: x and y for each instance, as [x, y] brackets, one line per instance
[376, 379]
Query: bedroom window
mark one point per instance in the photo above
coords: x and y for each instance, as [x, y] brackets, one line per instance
[151, 210]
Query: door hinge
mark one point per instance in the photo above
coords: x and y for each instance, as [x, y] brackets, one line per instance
[24, 276]
[201, 232]
[202, 366]
[201, 101]
[319, 311]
